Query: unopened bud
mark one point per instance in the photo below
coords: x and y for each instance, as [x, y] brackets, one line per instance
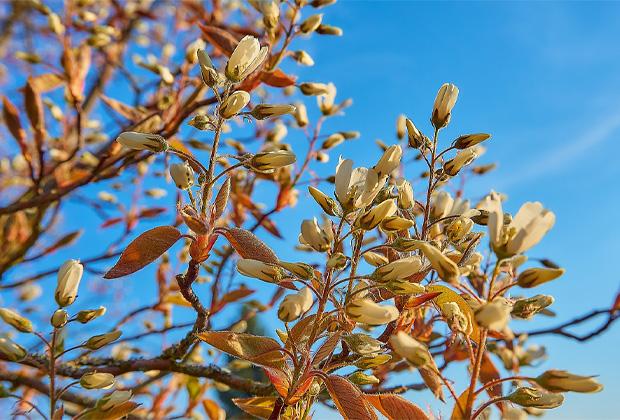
[332, 141]
[337, 261]
[259, 270]
[303, 58]
[389, 161]
[416, 139]
[234, 103]
[444, 102]
[405, 194]
[399, 269]
[262, 111]
[328, 204]
[311, 23]
[142, 141]
[367, 311]
[90, 314]
[12, 351]
[532, 397]
[493, 315]
[182, 174]
[96, 380]
[403, 287]
[15, 320]
[269, 161]
[411, 349]
[375, 259]
[313, 89]
[468, 140]
[371, 362]
[563, 381]
[329, 30]
[462, 158]
[363, 343]
[361, 378]
[59, 318]
[533, 277]
[97, 341]
[396, 224]
[301, 270]
[376, 215]
[301, 114]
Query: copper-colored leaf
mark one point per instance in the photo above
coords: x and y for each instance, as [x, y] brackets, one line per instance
[260, 407]
[326, 348]
[277, 78]
[129, 112]
[34, 106]
[11, 119]
[348, 399]
[213, 410]
[395, 407]
[221, 199]
[118, 411]
[221, 39]
[415, 301]
[262, 351]
[46, 82]
[249, 246]
[237, 294]
[279, 379]
[488, 373]
[458, 412]
[143, 250]
[66, 240]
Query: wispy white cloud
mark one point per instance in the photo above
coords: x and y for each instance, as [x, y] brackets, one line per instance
[551, 161]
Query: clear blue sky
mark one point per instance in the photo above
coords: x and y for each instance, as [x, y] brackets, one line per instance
[542, 78]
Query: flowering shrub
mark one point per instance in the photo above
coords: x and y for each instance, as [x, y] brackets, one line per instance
[394, 279]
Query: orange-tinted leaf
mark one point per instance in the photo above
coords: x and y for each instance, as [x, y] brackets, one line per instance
[66, 240]
[432, 380]
[249, 246]
[10, 115]
[277, 78]
[221, 39]
[416, 301]
[213, 410]
[300, 391]
[143, 250]
[111, 222]
[262, 351]
[129, 112]
[395, 407]
[260, 407]
[152, 212]
[46, 82]
[280, 380]
[348, 399]
[458, 412]
[34, 106]
[488, 373]
[237, 294]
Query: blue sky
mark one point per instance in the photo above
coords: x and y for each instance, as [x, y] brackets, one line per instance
[542, 78]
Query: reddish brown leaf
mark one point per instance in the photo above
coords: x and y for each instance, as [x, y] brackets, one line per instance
[235, 295]
[416, 301]
[34, 106]
[277, 78]
[124, 110]
[326, 348]
[249, 246]
[488, 373]
[222, 40]
[46, 82]
[458, 412]
[395, 407]
[111, 222]
[143, 250]
[152, 212]
[348, 399]
[262, 351]
[66, 240]
[10, 115]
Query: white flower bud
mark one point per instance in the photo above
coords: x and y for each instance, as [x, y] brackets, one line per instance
[533, 277]
[444, 102]
[69, 276]
[259, 270]
[415, 137]
[96, 380]
[302, 57]
[311, 24]
[562, 381]
[182, 174]
[389, 161]
[314, 236]
[463, 158]
[375, 259]
[59, 319]
[301, 114]
[262, 111]
[269, 161]
[411, 349]
[12, 351]
[97, 341]
[328, 204]
[313, 89]
[142, 141]
[374, 216]
[90, 314]
[399, 269]
[247, 57]
[234, 103]
[405, 194]
[15, 320]
[367, 311]
[296, 304]
[493, 315]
